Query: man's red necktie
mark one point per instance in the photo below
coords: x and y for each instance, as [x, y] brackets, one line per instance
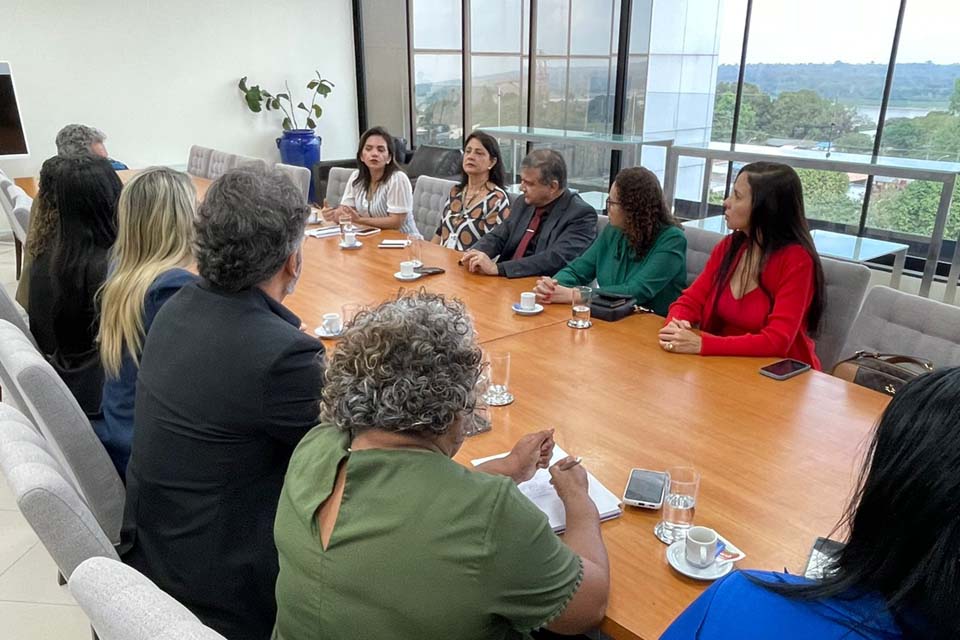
[528, 236]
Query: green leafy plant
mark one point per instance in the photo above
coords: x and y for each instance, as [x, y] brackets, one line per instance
[258, 99]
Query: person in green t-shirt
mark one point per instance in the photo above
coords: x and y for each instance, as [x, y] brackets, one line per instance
[381, 535]
[642, 253]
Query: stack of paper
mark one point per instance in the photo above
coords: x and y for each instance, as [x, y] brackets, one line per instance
[541, 493]
[394, 244]
[323, 232]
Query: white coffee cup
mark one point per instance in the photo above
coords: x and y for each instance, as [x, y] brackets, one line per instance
[406, 268]
[331, 323]
[349, 239]
[701, 547]
[528, 300]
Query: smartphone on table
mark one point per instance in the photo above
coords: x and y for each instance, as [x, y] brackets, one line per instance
[645, 488]
[783, 369]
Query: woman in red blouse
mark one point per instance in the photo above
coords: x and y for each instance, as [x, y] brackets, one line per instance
[762, 291]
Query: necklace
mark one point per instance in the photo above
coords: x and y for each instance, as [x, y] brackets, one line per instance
[468, 199]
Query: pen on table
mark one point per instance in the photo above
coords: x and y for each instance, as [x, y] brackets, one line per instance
[572, 463]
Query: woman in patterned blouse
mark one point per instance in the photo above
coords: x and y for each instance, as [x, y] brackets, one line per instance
[479, 202]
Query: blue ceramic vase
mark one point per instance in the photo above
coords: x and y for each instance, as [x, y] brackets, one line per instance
[300, 148]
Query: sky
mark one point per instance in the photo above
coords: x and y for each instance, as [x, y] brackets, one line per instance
[855, 31]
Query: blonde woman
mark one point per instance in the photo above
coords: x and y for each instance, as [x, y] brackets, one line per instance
[151, 261]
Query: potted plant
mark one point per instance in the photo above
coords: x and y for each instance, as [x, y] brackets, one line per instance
[298, 146]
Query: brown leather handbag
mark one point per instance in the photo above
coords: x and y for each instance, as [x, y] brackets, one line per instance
[883, 372]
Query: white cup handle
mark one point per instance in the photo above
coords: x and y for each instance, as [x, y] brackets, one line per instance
[703, 556]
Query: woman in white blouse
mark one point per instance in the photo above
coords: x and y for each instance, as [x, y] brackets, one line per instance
[378, 194]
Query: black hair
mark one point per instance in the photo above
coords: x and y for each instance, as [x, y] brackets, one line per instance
[777, 220]
[363, 177]
[904, 520]
[497, 174]
[87, 190]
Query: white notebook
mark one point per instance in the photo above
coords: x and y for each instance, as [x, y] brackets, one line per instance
[541, 493]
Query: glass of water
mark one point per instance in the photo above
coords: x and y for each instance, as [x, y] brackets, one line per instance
[679, 504]
[478, 420]
[498, 394]
[580, 305]
[346, 223]
[414, 249]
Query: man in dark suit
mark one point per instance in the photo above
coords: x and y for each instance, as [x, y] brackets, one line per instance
[227, 387]
[548, 225]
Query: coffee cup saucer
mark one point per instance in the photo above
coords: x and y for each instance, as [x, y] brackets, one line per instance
[355, 245]
[399, 276]
[323, 333]
[677, 557]
[517, 309]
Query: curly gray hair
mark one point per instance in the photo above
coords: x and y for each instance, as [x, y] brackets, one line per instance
[250, 222]
[410, 365]
[550, 164]
[75, 140]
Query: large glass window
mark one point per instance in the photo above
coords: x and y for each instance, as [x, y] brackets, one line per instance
[438, 72]
[922, 122]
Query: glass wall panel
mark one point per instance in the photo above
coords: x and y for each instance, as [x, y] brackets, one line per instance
[436, 24]
[439, 99]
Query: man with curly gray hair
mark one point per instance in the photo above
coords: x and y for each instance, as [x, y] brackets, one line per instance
[382, 535]
[227, 387]
[80, 140]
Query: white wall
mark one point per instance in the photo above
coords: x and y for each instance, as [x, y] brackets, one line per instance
[159, 75]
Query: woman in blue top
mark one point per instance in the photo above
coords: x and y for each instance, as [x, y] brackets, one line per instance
[898, 576]
[150, 263]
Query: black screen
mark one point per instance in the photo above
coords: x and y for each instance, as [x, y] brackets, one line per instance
[785, 367]
[646, 486]
[12, 140]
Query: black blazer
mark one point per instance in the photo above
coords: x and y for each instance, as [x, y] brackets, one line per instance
[566, 232]
[227, 387]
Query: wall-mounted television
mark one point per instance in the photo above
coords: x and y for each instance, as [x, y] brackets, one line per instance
[13, 142]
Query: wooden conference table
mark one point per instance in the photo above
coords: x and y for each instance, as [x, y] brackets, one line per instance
[31, 185]
[778, 459]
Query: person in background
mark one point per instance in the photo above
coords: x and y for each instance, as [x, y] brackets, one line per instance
[227, 387]
[897, 575]
[548, 227]
[642, 253]
[44, 220]
[378, 193]
[151, 261]
[370, 548]
[479, 203]
[79, 139]
[761, 292]
[64, 280]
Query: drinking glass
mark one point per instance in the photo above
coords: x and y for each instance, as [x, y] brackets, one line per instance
[348, 312]
[497, 393]
[346, 224]
[580, 306]
[478, 420]
[679, 505]
[413, 249]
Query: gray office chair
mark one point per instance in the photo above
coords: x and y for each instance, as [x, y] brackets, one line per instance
[123, 604]
[300, 176]
[337, 184]
[892, 321]
[14, 314]
[249, 162]
[50, 504]
[198, 162]
[845, 284]
[700, 244]
[602, 222]
[220, 163]
[429, 197]
[54, 411]
[16, 206]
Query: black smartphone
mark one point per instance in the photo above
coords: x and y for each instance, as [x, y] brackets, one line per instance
[428, 271]
[608, 301]
[783, 369]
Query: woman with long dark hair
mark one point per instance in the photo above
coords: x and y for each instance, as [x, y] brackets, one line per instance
[479, 203]
[761, 292]
[69, 275]
[378, 193]
[642, 253]
[898, 573]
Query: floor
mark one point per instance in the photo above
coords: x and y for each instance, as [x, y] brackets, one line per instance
[32, 605]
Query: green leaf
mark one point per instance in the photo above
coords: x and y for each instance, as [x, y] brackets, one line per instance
[311, 123]
[324, 90]
[285, 96]
[302, 106]
[253, 100]
[276, 103]
[317, 110]
[268, 104]
[286, 124]
[266, 94]
[243, 84]
[312, 84]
